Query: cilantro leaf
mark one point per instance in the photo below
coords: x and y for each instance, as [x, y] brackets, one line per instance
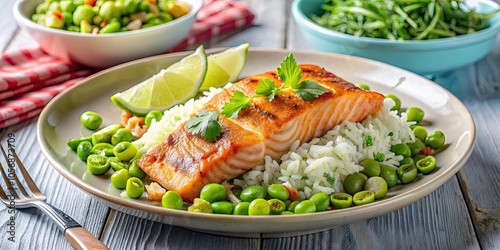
[206, 123]
[329, 178]
[309, 90]
[238, 102]
[289, 71]
[268, 89]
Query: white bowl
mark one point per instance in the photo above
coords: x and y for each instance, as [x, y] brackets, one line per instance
[104, 50]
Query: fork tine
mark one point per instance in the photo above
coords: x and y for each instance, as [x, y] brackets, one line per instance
[7, 181]
[3, 195]
[31, 184]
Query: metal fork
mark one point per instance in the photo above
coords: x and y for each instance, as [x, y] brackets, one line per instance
[77, 236]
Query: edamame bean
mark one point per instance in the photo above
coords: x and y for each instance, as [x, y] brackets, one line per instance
[103, 148]
[84, 150]
[136, 171]
[305, 206]
[122, 134]
[407, 173]
[68, 5]
[200, 206]
[241, 208]
[435, 140]
[426, 165]
[370, 167]
[292, 205]
[253, 192]
[377, 185]
[277, 206]
[321, 201]
[341, 200]
[91, 120]
[277, 191]
[98, 164]
[213, 192]
[259, 206]
[125, 151]
[171, 199]
[222, 207]
[415, 114]
[396, 100]
[119, 178]
[354, 183]
[363, 197]
[401, 149]
[153, 115]
[134, 187]
[111, 28]
[389, 174]
[420, 132]
[83, 12]
[109, 10]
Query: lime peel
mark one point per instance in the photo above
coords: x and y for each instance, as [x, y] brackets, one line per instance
[225, 66]
[176, 84]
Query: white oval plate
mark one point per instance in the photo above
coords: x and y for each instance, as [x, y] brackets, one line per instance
[59, 122]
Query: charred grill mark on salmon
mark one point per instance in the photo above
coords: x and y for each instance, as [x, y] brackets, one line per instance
[185, 162]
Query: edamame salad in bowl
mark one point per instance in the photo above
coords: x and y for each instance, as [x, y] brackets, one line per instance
[100, 33]
[408, 145]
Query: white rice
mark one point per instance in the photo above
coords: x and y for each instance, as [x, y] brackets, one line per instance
[316, 166]
[172, 118]
[321, 164]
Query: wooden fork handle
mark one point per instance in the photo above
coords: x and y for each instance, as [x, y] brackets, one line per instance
[80, 238]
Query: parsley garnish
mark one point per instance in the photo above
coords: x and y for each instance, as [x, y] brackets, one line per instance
[206, 123]
[238, 102]
[290, 73]
[368, 140]
[380, 157]
[329, 178]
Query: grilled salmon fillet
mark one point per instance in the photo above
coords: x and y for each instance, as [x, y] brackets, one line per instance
[185, 162]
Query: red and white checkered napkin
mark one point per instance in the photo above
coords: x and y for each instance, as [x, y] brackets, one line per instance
[30, 78]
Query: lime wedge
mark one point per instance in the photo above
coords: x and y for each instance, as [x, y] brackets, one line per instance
[225, 66]
[178, 83]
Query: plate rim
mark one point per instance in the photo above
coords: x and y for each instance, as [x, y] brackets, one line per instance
[379, 208]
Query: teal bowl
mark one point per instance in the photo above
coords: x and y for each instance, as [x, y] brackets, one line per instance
[422, 57]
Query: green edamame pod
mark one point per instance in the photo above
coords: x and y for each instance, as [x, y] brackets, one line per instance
[105, 134]
[73, 143]
[111, 28]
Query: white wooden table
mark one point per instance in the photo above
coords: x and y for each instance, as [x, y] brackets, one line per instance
[464, 213]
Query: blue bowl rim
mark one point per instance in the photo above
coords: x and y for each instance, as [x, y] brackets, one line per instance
[458, 41]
